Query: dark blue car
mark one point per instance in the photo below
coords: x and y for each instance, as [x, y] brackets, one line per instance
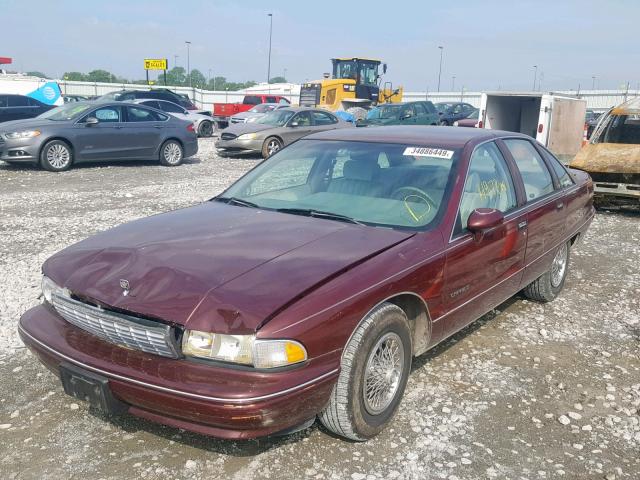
[451, 111]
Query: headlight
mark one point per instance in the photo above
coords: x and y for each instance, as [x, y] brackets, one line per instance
[248, 136]
[23, 134]
[242, 349]
[49, 287]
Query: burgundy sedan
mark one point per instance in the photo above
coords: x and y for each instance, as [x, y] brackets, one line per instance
[305, 290]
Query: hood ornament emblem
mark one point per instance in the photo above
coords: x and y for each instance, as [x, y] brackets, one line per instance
[124, 284]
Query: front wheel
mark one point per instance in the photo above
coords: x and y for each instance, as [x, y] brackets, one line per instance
[270, 146]
[56, 156]
[374, 371]
[444, 123]
[547, 287]
[171, 153]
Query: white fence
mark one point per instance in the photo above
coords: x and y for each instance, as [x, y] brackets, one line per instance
[598, 100]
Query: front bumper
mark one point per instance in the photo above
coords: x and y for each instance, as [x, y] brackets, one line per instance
[239, 146]
[213, 400]
[20, 150]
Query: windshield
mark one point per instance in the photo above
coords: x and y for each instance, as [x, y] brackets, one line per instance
[386, 111]
[620, 129]
[276, 118]
[379, 184]
[66, 112]
[262, 108]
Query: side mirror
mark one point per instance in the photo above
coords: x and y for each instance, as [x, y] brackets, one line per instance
[406, 115]
[90, 121]
[482, 219]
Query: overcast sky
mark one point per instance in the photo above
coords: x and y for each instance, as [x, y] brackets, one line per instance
[487, 44]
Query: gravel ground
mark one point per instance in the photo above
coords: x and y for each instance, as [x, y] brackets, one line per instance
[529, 391]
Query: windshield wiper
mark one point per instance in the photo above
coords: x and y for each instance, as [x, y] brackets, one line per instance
[236, 201]
[319, 214]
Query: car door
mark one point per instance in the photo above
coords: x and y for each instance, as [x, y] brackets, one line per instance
[298, 126]
[544, 207]
[103, 140]
[173, 109]
[408, 115]
[422, 118]
[4, 108]
[144, 131]
[483, 271]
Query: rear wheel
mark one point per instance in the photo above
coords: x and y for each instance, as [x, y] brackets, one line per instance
[205, 129]
[374, 371]
[270, 146]
[171, 153]
[56, 156]
[547, 287]
[444, 123]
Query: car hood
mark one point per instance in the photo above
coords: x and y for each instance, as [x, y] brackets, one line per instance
[26, 124]
[608, 158]
[214, 267]
[246, 114]
[241, 128]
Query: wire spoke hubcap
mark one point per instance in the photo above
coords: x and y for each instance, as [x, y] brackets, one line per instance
[559, 266]
[172, 153]
[383, 372]
[58, 156]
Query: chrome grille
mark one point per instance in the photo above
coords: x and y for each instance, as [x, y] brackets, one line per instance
[125, 330]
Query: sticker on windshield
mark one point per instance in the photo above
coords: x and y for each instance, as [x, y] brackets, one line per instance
[428, 152]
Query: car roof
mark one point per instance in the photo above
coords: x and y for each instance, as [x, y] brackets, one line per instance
[305, 109]
[453, 137]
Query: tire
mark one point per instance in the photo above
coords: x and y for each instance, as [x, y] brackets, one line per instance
[350, 414]
[444, 123]
[358, 113]
[206, 129]
[56, 156]
[547, 287]
[270, 146]
[171, 153]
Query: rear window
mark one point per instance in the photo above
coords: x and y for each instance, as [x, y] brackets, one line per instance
[252, 100]
[18, 101]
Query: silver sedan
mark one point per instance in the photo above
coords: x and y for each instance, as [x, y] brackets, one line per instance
[203, 123]
[256, 112]
[275, 130]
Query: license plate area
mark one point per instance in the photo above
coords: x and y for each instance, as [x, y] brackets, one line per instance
[90, 387]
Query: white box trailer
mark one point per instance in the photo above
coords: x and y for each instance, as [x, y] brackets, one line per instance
[44, 90]
[556, 121]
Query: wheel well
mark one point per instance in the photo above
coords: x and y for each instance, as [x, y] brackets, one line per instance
[419, 319]
[274, 136]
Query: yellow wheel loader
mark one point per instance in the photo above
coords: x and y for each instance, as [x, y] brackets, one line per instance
[354, 86]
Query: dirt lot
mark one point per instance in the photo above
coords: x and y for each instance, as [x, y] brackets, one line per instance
[529, 391]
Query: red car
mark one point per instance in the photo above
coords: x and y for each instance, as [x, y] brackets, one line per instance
[307, 287]
[222, 112]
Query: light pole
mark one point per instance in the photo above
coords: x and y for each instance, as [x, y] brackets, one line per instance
[270, 15]
[453, 83]
[188, 62]
[285, 74]
[175, 60]
[535, 74]
[593, 82]
[440, 69]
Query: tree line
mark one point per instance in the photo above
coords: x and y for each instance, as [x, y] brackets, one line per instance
[176, 77]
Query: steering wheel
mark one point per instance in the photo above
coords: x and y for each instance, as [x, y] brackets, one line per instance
[405, 193]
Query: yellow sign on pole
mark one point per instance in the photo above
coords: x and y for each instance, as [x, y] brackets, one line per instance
[155, 63]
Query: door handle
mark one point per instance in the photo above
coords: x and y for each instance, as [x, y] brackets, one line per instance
[522, 225]
[157, 126]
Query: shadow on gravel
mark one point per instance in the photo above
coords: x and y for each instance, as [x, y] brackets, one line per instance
[97, 164]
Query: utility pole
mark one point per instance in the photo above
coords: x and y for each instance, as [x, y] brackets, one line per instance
[188, 62]
[270, 15]
[285, 74]
[440, 69]
[593, 82]
[535, 74]
[453, 83]
[175, 60]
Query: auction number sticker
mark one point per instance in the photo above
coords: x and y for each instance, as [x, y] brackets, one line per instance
[428, 152]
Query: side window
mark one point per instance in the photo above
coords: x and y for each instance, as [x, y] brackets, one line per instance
[171, 107]
[535, 174]
[106, 114]
[136, 114]
[3, 101]
[457, 109]
[419, 109]
[18, 101]
[271, 100]
[430, 107]
[303, 119]
[488, 184]
[321, 118]
[563, 176]
[284, 101]
[252, 100]
[151, 103]
[408, 111]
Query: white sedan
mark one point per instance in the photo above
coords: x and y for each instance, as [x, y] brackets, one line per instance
[202, 122]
